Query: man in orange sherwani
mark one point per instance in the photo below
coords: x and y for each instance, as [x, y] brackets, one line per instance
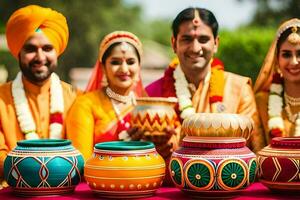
[34, 105]
[197, 79]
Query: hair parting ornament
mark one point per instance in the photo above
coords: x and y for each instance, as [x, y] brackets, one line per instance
[294, 37]
[124, 47]
[196, 20]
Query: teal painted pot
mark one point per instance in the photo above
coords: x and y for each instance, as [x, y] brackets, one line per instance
[43, 167]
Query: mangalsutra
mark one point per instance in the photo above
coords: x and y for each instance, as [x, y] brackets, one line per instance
[121, 98]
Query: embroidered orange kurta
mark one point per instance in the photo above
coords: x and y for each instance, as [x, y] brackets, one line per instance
[91, 120]
[39, 103]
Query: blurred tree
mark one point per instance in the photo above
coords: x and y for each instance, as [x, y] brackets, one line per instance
[273, 13]
[243, 50]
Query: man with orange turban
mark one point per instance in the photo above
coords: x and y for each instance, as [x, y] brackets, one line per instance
[35, 103]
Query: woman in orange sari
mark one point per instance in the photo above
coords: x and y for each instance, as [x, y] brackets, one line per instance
[103, 113]
[277, 88]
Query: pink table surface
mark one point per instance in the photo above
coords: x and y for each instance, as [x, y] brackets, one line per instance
[255, 191]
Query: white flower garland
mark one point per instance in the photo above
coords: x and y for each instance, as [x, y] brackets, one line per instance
[23, 112]
[183, 94]
[275, 105]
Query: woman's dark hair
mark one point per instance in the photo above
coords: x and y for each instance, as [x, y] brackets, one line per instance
[108, 52]
[188, 14]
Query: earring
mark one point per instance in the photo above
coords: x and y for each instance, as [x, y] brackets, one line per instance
[279, 71]
[104, 81]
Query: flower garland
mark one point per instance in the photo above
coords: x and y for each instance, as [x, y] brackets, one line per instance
[23, 112]
[275, 105]
[216, 88]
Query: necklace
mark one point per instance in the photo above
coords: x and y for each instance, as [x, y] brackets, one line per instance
[24, 115]
[121, 98]
[122, 126]
[293, 101]
[291, 117]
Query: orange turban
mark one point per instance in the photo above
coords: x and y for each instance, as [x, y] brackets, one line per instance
[25, 21]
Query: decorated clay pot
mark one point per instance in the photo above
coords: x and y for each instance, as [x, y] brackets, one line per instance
[279, 164]
[124, 169]
[212, 166]
[218, 125]
[43, 167]
[155, 114]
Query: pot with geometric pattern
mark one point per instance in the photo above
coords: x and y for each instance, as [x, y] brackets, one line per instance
[279, 164]
[122, 169]
[43, 167]
[155, 114]
[213, 166]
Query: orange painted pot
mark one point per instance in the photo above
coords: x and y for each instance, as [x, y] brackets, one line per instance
[124, 169]
[155, 114]
[279, 164]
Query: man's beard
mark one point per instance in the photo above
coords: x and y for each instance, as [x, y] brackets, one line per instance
[36, 76]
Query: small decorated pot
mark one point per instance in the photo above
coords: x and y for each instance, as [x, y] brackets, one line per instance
[155, 114]
[279, 164]
[212, 166]
[43, 167]
[218, 125]
[124, 169]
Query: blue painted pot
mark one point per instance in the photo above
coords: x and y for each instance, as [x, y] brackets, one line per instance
[43, 167]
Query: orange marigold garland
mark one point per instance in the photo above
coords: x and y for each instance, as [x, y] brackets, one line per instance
[216, 86]
[174, 62]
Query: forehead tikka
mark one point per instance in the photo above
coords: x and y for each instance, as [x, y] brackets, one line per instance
[196, 20]
[287, 25]
[294, 37]
[124, 47]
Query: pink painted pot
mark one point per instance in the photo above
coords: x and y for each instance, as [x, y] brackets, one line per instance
[213, 166]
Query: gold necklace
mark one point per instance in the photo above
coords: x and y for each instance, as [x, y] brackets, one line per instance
[291, 117]
[293, 101]
[121, 98]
